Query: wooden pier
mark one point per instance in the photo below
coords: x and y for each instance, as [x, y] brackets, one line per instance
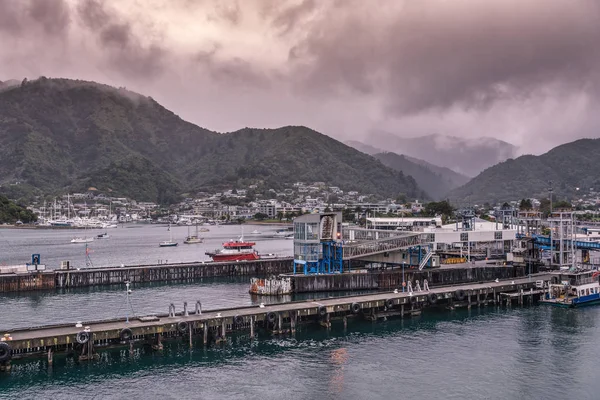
[392, 278]
[180, 272]
[215, 325]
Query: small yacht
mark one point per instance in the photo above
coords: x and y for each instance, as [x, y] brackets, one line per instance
[104, 235]
[284, 232]
[255, 232]
[84, 239]
[573, 288]
[268, 256]
[170, 242]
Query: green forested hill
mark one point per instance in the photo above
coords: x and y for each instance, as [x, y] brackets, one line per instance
[60, 134]
[569, 166]
[11, 212]
[296, 153]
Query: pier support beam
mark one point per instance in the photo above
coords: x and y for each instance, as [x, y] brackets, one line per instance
[325, 322]
[279, 323]
[205, 333]
[223, 330]
[293, 316]
[252, 327]
[158, 345]
[5, 366]
[87, 350]
[469, 297]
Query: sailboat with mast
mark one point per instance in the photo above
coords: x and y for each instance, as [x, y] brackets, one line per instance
[192, 239]
[83, 239]
[170, 242]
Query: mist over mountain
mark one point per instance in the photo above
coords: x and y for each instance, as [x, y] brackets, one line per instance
[60, 134]
[363, 147]
[7, 84]
[466, 156]
[437, 182]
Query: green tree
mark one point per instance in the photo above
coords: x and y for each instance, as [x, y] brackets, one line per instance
[438, 208]
[561, 204]
[260, 216]
[443, 208]
[525, 204]
[348, 215]
[279, 215]
[11, 212]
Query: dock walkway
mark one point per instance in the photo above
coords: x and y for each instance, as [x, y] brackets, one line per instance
[216, 323]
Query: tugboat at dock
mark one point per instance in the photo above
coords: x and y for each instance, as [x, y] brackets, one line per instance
[235, 250]
[574, 289]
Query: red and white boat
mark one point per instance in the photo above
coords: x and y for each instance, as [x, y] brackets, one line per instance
[235, 250]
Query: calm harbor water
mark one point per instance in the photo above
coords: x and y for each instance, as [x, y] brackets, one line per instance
[529, 353]
[130, 244]
[523, 353]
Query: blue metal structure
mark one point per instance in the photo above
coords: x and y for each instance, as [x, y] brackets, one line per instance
[330, 260]
[579, 244]
[318, 245]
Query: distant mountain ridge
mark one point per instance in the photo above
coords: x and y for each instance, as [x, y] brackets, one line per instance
[436, 181]
[363, 147]
[436, 184]
[466, 156]
[60, 134]
[572, 168]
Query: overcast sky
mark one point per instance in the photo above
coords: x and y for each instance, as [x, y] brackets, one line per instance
[525, 71]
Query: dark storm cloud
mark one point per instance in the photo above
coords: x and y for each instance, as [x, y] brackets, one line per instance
[289, 16]
[230, 71]
[11, 15]
[93, 13]
[52, 16]
[435, 55]
[123, 49]
[515, 69]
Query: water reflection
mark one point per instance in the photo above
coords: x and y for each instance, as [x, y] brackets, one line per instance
[338, 358]
[494, 354]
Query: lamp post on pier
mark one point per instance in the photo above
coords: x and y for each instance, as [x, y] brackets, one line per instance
[403, 281]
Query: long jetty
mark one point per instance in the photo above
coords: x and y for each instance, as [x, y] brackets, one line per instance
[181, 272]
[83, 341]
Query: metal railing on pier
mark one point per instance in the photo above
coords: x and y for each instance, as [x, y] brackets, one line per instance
[362, 234]
[371, 247]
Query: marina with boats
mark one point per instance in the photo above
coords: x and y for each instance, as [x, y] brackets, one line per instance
[326, 256]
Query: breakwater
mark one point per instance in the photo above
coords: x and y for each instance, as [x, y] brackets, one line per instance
[181, 272]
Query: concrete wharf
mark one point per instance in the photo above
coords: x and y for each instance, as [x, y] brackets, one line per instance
[148, 273]
[216, 325]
